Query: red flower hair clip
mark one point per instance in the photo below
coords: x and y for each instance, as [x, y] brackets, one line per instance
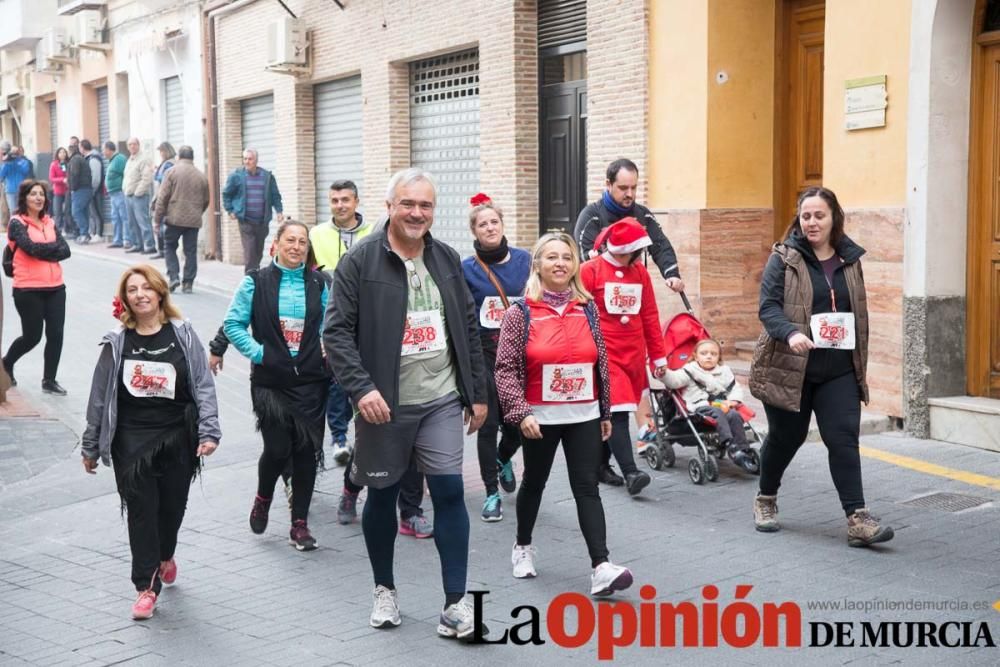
[117, 308]
[480, 198]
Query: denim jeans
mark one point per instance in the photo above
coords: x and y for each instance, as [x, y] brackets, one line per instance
[139, 223]
[57, 211]
[12, 202]
[338, 412]
[81, 210]
[171, 238]
[97, 215]
[119, 218]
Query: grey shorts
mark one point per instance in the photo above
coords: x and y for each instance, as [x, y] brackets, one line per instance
[431, 434]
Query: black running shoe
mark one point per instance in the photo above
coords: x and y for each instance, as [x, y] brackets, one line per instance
[258, 515]
[607, 475]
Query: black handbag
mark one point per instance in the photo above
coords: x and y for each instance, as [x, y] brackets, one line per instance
[8, 260]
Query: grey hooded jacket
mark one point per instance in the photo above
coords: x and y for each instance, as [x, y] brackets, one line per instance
[102, 408]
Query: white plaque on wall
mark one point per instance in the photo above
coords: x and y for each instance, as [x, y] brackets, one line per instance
[865, 102]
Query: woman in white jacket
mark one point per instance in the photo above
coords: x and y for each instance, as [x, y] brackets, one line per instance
[710, 388]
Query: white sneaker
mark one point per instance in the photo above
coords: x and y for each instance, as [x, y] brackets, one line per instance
[608, 578]
[385, 610]
[341, 453]
[523, 560]
[457, 621]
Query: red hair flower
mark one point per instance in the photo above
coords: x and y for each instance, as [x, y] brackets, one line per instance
[117, 308]
[480, 198]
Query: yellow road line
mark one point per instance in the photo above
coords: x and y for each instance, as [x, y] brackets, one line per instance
[932, 468]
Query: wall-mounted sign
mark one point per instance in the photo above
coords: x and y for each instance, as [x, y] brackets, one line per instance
[865, 102]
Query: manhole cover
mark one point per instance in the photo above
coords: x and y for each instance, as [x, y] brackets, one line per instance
[947, 502]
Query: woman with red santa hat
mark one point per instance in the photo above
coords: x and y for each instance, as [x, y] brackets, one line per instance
[630, 320]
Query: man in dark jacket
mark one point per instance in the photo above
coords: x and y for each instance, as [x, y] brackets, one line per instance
[617, 202]
[81, 190]
[399, 289]
[180, 204]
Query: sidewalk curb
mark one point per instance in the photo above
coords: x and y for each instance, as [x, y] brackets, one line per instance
[210, 286]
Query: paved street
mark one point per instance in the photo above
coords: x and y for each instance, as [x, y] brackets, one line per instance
[243, 599]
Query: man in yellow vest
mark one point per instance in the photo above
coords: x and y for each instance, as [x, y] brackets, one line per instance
[332, 239]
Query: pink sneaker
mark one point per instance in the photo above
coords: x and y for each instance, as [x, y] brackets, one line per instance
[416, 526]
[168, 572]
[144, 605]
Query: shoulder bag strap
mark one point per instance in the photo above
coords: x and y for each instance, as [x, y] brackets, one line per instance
[493, 279]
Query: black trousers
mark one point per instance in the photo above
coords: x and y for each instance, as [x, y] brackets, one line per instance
[281, 445]
[252, 236]
[582, 447]
[620, 443]
[486, 437]
[837, 404]
[172, 235]
[155, 512]
[39, 308]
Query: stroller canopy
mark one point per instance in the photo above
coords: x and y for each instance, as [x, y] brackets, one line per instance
[680, 335]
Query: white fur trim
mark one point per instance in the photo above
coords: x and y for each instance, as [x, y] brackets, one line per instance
[638, 244]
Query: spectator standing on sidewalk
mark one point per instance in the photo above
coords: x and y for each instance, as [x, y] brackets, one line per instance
[284, 304]
[81, 190]
[138, 187]
[181, 201]
[552, 379]
[397, 289]
[813, 358]
[16, 168]
[152, 413]
[95, 160]
[39, 292]
[250, 195]
[495, 274]
[168, 158]
[57, 177]
[4, 378]
[121, 238]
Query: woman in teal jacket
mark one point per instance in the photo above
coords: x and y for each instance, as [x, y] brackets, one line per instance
[283, 304]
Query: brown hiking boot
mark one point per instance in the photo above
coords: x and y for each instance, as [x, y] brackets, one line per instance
[863, 529]
[765, 513]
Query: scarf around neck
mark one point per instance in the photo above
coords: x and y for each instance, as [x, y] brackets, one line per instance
[612, 205]
[556, 299]
[494, 256]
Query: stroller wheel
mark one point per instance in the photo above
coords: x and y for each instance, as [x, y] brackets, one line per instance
[711, 469]
[753, 464]
[652, 456]
[696, 472]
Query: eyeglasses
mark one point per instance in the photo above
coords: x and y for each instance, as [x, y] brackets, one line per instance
[411, 269]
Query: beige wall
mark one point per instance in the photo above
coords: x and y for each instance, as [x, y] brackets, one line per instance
[863, 38]
[741, 110]
[678, 98]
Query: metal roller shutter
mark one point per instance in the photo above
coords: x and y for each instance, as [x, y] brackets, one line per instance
[104, 134]
[53, 127]
[338, 137]
[444, 138]
[173, 111]
[561, 22]
[257, 128]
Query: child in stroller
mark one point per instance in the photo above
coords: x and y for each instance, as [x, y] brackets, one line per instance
[709, 388]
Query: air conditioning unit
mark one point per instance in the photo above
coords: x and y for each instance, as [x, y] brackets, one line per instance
[287, 41]
[43, 62]
[89, 33]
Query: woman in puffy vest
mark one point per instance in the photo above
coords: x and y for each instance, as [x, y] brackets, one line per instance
[552, 380]
[283, 303]
[813, 357]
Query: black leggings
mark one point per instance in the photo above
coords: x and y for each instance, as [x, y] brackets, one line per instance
[620, 443]
[837, 404]
[38, 308]
[486, 438]
[582, 447]
[155, 512]
[281, 443]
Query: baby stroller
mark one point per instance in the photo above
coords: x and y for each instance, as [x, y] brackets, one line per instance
[675, 424]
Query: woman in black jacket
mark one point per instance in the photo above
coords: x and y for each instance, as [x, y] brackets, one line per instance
[813, 358]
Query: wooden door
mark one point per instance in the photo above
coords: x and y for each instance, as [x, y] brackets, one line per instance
[798, 155]
[983, 323]
[562, 141]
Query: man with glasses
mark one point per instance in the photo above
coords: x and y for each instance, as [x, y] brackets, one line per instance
[399, 289]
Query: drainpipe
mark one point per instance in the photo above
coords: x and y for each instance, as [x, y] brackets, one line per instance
[213, 242]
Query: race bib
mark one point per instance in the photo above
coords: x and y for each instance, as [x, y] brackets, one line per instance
[833, 330]
[150, 379]
[491, 312]
[291, 329]
[562, 383]
[622, 298]
[423, 332]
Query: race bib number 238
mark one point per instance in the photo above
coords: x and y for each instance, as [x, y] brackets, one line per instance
[423, 332]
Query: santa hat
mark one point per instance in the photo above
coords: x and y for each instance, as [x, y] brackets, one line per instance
[624, 237]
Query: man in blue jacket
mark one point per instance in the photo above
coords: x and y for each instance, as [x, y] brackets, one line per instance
[249, 196]
[15, 169]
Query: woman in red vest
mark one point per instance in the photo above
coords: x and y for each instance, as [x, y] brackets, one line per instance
[552, 380]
